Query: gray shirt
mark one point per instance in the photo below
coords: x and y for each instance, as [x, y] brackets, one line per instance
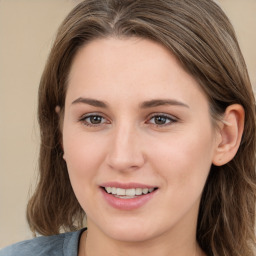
[59, 245]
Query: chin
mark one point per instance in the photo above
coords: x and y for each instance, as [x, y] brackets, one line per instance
[129, 232]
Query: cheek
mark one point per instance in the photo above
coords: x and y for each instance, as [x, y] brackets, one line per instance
[184, 159]
[83, 157]
[81, 152]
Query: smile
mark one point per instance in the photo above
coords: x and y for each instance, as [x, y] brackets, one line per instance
[128, 193]
[129, 196]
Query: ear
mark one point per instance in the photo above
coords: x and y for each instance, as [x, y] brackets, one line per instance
[57, 109]
[229, 135]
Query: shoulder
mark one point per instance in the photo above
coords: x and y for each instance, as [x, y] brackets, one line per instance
[59, 245]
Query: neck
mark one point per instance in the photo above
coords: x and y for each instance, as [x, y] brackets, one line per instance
[96, 243]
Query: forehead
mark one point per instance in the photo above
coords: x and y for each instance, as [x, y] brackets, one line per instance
[109, 52]
[129, 66]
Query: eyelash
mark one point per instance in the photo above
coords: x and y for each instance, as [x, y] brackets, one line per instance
[83, 119]
[170, 119]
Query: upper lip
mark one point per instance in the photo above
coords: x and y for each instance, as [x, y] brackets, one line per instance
[126, 185]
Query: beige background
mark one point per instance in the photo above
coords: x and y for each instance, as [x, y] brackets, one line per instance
[27, 29]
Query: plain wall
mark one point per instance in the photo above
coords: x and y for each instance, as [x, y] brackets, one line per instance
[27, 29]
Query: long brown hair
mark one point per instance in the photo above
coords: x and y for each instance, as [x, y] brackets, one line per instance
[202, 38]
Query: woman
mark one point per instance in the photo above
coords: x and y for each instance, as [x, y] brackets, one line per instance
[147, 121]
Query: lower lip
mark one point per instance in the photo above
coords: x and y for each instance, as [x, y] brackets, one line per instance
[127, 204]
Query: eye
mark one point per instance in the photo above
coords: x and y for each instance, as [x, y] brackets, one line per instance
[93, 120]
[162, 119]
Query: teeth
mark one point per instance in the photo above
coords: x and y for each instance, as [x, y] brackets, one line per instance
[109, 189]
[113, 191]
[131, 192]
[120, 192]
[138, 191]
[145, 191]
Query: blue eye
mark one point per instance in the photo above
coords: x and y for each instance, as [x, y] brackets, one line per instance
[161, 120]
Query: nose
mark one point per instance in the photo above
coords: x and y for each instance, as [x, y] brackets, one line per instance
[125, 151]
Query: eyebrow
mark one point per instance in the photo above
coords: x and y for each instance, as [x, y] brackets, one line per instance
[92, 102]
[145, 104]
[162, 102]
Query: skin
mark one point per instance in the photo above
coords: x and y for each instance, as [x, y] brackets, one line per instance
[128, 146]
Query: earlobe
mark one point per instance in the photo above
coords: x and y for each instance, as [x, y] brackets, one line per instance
[230, 134]
[57, 109]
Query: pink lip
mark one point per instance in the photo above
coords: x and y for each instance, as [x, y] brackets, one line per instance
[126, 204]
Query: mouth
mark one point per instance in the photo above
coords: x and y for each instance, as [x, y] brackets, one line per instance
[127, 196]
[129, 193]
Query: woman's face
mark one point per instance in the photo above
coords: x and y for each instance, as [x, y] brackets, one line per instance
[134, 122]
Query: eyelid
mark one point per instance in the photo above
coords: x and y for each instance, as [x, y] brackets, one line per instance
[88, 115]
[172, 118]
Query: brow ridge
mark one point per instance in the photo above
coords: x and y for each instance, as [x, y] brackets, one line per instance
[162, 102]
[145, 104]
[89, 101]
